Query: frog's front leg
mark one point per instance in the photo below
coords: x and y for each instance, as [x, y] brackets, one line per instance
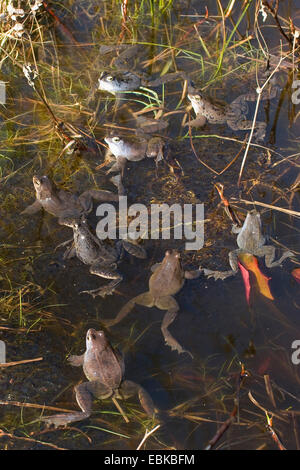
[268, 251]
[32, 209]
[199, 121]
[169, 303]
[106, 273]
[117, 181]
[129, 388]
[145, 299]
[233, 261]
[76, 361]
[118, 166]
[98, 195]
[193, 274]
[84, 399]
[134, 249]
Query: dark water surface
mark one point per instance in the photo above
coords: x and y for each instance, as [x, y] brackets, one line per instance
[40, 304]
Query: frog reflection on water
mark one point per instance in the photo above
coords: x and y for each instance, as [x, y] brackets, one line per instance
[167, 279]
[233, 114]
[104, 368]
[249, 240]
[101, 258]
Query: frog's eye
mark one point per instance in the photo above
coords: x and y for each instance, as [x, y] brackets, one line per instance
[168, 252]
[116, 139]
[109, 78]
[177, 255]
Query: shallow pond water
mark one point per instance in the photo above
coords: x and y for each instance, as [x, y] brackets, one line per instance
[42, 314]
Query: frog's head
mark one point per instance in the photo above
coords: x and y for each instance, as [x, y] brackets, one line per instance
[110, 82]
[252, 222]
[96, 340]
[197, 100]
[123, 146]
[116, 143]
[43, 186]
[172, 259]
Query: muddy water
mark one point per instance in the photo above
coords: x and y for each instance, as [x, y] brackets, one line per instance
[40, 302]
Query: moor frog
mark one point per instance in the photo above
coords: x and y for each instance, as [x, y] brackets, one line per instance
[234, 114]
[167, 279]
[64, 204]
[250, 240]
[104, 368]
[124, 79]
[101, 258]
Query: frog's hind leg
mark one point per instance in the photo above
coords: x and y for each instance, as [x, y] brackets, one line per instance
[268, 251]
[84, 399]
[244, 125]
[144, 299]
[98, 270]
[129, 388]
[172, 307]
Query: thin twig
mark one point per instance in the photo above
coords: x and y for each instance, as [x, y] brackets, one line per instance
[147, 434]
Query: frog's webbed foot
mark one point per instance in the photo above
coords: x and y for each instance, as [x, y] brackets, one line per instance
[268, 251]
[101, 271]
[84, 399]
[104, 290]
[168, 337]
[260, 131]
[142, 299]
[129, 388]
[134, 249]
[64, 419]
[218, 274]
[169, 303]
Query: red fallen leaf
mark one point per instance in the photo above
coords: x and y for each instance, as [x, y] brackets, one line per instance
[245, 276]
[296, 274]
[251, 264]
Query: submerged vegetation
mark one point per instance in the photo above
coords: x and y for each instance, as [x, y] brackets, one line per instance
[241, 389]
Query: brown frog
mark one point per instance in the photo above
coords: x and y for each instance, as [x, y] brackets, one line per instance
[104, 368]
[101, 258]
[233, 114]
[167, 279]
[64, 204]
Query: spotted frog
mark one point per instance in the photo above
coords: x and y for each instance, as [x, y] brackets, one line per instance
[233, 114]
[124, 79]
[103, 366]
